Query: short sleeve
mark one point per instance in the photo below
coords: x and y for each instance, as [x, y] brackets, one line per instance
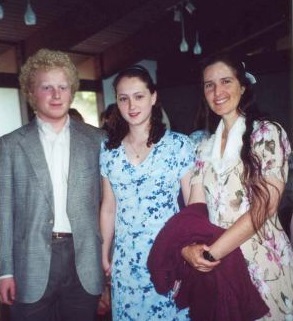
[104, 160]
[198, 136]
[186, 156]
[271, 144]
[197, 177]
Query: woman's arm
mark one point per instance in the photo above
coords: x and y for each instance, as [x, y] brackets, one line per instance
[107, 223]
[234, 236]
[193, 253]
[197, 194]
[185, 186]
[242, 229]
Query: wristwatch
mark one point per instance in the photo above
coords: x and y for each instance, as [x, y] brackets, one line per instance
[208, 256]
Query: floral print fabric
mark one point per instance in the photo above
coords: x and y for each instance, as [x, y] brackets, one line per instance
[199, 135]
[270, 260]
[146, 197]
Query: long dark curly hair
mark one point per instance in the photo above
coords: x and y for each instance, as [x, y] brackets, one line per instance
[252, 178]
[118, 128]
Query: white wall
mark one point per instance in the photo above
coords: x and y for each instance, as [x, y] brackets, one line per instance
[10, 116]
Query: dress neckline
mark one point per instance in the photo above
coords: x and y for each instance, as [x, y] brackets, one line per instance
[149, 155]
[142, 161]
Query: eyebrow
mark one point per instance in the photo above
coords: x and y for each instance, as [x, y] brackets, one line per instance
[135, 93]
[223, 78]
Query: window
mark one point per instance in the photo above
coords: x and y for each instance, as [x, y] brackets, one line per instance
[86, 103]
[10, 115]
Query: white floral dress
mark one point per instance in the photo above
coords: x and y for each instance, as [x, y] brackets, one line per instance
[146, 197]
[270, 262]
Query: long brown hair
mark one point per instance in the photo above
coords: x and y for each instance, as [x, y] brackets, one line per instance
[252, 178]
[118, 128]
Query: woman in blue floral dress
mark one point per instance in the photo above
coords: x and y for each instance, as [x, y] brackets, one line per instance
[241, 173]
[143, 167]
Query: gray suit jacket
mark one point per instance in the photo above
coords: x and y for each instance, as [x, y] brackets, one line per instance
[27, 208]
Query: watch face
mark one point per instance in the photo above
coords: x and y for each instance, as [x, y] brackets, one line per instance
[208, 256]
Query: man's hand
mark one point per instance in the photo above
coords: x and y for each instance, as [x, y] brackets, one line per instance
[7, 290]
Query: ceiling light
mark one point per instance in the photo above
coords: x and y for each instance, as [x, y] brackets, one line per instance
[177, 15]
[189, 7]
[183, 45]
[197, 50]
[30, 18]
[1, 12]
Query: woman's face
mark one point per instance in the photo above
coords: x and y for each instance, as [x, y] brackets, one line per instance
[222, 90]
[134, 100]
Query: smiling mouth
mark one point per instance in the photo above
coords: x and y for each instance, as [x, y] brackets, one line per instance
[56, 105]
[133, 114]
[220, 101]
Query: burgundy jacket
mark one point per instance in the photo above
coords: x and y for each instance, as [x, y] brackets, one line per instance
[224, 294]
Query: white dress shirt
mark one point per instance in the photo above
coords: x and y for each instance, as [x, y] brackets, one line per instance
[56, 147]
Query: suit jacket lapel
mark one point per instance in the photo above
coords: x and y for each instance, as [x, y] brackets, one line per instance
[80, 145]
[33, 148]
[73, 158]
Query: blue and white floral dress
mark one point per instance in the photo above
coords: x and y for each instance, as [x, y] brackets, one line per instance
[146, 196]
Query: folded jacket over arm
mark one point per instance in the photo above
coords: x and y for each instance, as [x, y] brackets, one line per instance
[224, 294]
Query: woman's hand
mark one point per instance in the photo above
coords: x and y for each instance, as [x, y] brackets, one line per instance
[107, 267]
[193, 254]
[107, 224]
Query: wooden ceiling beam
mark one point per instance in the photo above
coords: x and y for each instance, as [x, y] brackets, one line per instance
[89, 18]
[165, 34]
[77, 25]
[155, 39]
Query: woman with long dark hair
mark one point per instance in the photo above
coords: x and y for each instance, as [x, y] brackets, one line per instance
[240, 173]
[143, 167]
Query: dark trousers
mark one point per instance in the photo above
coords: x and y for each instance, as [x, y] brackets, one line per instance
[64, 298]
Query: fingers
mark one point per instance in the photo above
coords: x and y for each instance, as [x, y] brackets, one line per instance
[203, 269]
[108, 272]
[7, 291]
[107, 268]
[193, 254]
[189, 254]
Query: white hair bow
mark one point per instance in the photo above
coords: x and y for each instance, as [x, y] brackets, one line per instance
[249, 76]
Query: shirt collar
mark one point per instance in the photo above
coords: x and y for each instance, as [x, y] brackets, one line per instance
[231, 156]
[47, 129]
